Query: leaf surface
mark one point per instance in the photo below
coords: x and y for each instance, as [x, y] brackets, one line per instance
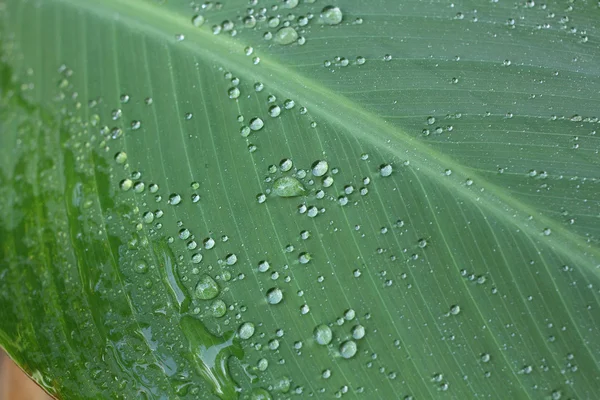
[191, 206]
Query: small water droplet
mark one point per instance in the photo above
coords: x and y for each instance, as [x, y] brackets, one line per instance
[198, 20]
[141, 267]
[274, 296]
[233, 92]
[174, 199]
[385, 170]
[320, 168]
[358, 332]
[121, 157]
[323, 334]
[331, 15]
[256, 124]
[455, 309]
[274, 111]
[304, 258]
[348, 349]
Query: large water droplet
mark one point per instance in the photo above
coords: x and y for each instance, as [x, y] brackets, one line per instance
[288, 186]
[206, 288]
[285, 36]
[246, 330]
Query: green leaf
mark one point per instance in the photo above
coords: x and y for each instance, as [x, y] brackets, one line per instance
[199, 202]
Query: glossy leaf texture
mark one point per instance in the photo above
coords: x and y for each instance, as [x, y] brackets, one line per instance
[301, 199]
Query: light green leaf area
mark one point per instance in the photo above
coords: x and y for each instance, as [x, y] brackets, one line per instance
[284, 199]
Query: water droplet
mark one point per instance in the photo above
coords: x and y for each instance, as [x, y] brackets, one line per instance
[233, 92]
[485, 357]
[348, 349]
[231, 259]
[121, 157]
[455, 310]
[304, 258]
[246, 330]
[138, 187]
[288, 186]
[263, 266]
[174, 199]
[197, 258]
[320, 168]
[256, 124]
[148, 217]
[358, 332]
[285, 36]
[206, 288]
[323, 334]
[385, 170]
[286, 165]
[198, 20]
[125, 184]
[274, 296]
[331, 15]
[290, 3]
[274, 111]
[209, 243]
[218, 308]
[141, 267]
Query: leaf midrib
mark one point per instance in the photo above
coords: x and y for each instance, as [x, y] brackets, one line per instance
[354, 119]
